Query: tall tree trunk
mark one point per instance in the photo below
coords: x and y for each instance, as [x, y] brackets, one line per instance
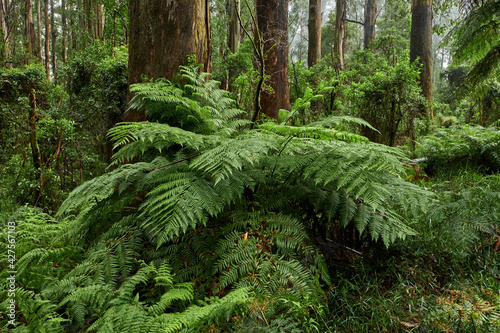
[338, 46]
[272, 21]
[99, 21]
[369, 24]
[314, 44]
[47, 40]
[29, 29]
[54, 40]
[64, 32]
[234, 26]
[421, 47]
[8, 27]
[33, 119]
[314, 28]
[3, 30]
[39, 30]
[162, 35]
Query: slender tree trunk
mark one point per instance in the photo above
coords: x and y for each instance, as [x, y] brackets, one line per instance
[54, 41]
[338, 46]
[33, 119]
[39, 30]
[272, 21]
[64, 32]
[47, 40]
[314, 28]
[3, 30]
[421, 47]
[8, 27]
[234, 26]
[369, 24]
[314, 44]
[162, 35]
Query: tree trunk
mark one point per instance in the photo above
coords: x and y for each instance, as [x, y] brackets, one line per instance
[272, 21]
[338, 46]
[162, 35]
[54, 40]
[234, 26]
[33, 119]
[314, 28]
[64, 32]
[369, 24]
[7, 31]
[99, 21]
[421, 47]
[29, 29]
[314, 45]
[39, 30]
[3, 30]
[47, 40]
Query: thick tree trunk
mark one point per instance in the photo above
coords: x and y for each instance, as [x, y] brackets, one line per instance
[421, 46]
[369, 24]
[54, 40]
[39, 31]
[29, 28]
[234, 26]
[64, 32]
[272, 21]
[47, 41]
[314, 28]
[338, 46]
[162, 35]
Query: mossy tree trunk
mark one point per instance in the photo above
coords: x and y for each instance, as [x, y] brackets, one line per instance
[272, 21]
[369, 24]
[421, 47]
[162, 35]
[234, 26]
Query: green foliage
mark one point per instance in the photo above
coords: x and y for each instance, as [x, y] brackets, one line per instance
[387, 96]
[460, 144]
[475, 42]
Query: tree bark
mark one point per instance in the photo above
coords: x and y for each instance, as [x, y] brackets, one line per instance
[338, 46]
[272, 21]
[39, 30]
[162, 35]
[47, 41]
[234, 26]
[64, 32]
[369, 24]
[33, 119]
[29, 29]
[314, 28]
[54, 40]
[421, 47]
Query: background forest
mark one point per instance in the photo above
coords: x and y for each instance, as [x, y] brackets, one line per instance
[249, 166]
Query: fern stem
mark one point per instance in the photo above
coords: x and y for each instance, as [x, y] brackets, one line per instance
[179, 161]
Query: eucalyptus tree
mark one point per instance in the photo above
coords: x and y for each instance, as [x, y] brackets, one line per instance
[421, 47]
[162, 35]
[314, 32]
[272, 22]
